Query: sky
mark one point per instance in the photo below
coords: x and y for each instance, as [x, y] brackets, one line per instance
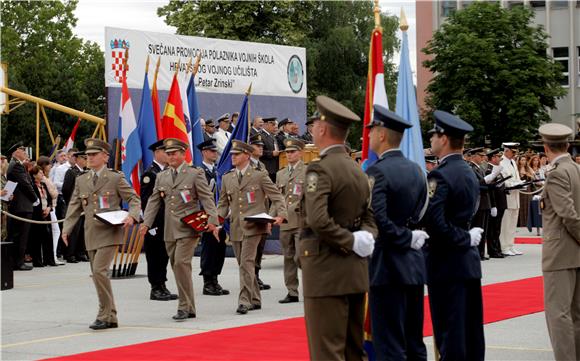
[94, 15]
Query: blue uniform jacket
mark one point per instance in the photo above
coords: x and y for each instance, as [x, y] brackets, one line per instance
[453, 192]
[398, 195]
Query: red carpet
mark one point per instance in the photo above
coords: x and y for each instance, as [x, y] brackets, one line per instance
[528, 240]
[286, 339]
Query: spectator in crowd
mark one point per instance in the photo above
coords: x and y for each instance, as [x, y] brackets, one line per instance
[543, 165]
[257, 126]
[577, 158]
[233, 121]
[222, 135]
[526, 175]
[59, 158]
[45, 164]
[3, 181]
[40, 239]
[209, 129]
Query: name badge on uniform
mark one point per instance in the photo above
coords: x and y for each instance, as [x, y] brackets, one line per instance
[297, 190]
[185, 196]
[251, 197]
[104, 202]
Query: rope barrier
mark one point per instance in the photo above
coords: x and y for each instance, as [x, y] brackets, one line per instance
[31, 220]
[534, 192]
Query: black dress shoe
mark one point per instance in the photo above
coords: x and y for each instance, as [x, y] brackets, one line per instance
[72, 259]
[23, 267]
[498, 255]
[83, 259]
[210, 290]
[289, 299]
[37, 264]
[171, 295]
[183, 315]
[218, 287]
[263, 286]
[158, 294]
[242, 309]
[255, 307]
[50, 263]
[102, 325]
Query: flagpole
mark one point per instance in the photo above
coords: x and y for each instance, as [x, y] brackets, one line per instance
[248, 115]
[156, 72]
[377, 11]
[196, 65]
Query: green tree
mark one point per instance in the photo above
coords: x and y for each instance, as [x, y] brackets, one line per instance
[491, 69]
[46, 60]
[336, 35]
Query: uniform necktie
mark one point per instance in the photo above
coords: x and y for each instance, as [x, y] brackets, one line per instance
[290, 170]
[240, 177]
[174, 174]
[95, 179]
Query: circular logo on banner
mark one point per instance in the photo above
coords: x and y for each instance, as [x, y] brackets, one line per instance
[295, 74]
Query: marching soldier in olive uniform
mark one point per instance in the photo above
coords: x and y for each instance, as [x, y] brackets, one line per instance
[452, 257]
[181, 188]
[157, 258]
[243, 193]
[213, 251]
[337, 236]
[397, 267]
[560, 204]
[101, 190]
[290, 181]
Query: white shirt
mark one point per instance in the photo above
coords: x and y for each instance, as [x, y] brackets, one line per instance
[221, 136]
[58, 175]
[325, 150]
[209, 166]
[161, 166]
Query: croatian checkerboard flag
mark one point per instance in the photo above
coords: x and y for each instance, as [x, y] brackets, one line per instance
[130, 141]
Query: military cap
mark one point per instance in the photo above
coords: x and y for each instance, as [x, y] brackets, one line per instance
[257, 139]
[466, 151]
[207, 145]
[511, 145]
[223, 117]
[383, 117]
[269, 119]
[294, 144]
[95, 145]
[240, 147]
[313, 117]
[157, 145]
[449, 124]
[430, 159]
[493, 152]
[80, 154]
[335, 113]
[210, 123]
[16, 146]
[284, 121]
[474, 151]
[173, 144]
[235, 114]
[555, 133]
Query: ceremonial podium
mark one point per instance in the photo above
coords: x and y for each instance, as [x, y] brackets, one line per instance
[309, 153]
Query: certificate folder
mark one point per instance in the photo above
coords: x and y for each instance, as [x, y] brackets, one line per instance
[113, 218]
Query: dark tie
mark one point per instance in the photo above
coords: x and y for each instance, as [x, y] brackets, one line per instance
[290, 170]
[240, 177]
[174, 174]
[95, 179]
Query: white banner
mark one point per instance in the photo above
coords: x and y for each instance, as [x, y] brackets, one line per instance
[226, 66]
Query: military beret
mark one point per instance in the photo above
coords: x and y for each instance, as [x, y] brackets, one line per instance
[335, 113]
[269, 119]
[14, 147]
[257, 139]
[207, 145]
[157, 145]
[449, 124]
[284, 121]
[383, 117]
[511, 145]
[555, 133]
[173, 144]
[293, 144]
[240, 147]
[94, 145]
[223, 117]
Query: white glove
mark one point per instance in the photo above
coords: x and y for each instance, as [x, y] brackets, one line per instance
[418, 239]
[496, 170]
[475, 234]
[36, 203]
[537, 197]
[493, 212]
[364, 243]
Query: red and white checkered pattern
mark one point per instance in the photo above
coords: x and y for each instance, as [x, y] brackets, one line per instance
[117, 65]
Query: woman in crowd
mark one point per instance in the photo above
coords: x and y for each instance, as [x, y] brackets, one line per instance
[45, 164]
[40, 240]
[526, 174]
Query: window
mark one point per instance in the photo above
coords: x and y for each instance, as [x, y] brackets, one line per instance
[538, 4]
[512, 4]
[448, 7]
[561, 56]
[559, 4]
[578, 67]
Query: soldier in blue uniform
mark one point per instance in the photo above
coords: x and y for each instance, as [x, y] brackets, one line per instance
[453, 264]
[213, 252]
[397, 267]
[155, 253]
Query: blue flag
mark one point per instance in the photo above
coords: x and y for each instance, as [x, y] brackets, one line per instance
[196, 131]
[412, 143]
[146, 125]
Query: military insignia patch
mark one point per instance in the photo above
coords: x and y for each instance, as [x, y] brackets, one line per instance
[146, 179]
[311, 182]
[432, 187]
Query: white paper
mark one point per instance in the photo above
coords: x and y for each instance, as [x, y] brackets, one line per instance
[261, 216]
[115, 217]
[9, 187]
[153, 231]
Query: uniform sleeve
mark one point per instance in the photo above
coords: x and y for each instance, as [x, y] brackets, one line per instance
[559, 191]
[437, 225]
[318, 187]
[153, 205]
[147, 188]
[393, 235]
[128, 195]
[206, 197]
[73, 211]
[223, 206]
[273, 193]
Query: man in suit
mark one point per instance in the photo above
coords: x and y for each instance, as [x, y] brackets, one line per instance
[257, 126]
[271, 149]
[509, 221]
[76, 250]
[243, 193]
[284, 132]
[23, 201]
[97, 191]
[498, 203]
[209, 130]
[155, 253]
[222, 135]
[290, 181]
[180, 188]
[560, 203]
[397, 267]
[307, 136]
[452, 257]
[337, 236]
[213, 251]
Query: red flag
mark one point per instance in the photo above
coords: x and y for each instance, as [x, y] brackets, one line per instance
[71, 140]
[173, 120]
[156, 111]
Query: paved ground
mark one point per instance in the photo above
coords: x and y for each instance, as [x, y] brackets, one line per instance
[48, 311]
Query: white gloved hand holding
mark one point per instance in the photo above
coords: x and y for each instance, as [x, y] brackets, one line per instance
[36, 203]
[475, 234]
[537, 197]
[496, 170]
[493, 212]
[418, 239]
[364, 243]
